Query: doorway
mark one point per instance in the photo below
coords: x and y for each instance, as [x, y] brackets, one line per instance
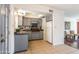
[28, 25]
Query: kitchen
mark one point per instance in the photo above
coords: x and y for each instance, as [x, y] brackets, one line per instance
[29, 26]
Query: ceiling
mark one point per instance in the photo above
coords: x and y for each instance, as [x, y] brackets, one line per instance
[29, 10]
[28, 14]
[66, 7]
[70, 9]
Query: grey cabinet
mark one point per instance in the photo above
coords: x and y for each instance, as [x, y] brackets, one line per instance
[21, 42]
[37, 35]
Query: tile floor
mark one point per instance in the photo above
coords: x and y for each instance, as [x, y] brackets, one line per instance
[43, 47]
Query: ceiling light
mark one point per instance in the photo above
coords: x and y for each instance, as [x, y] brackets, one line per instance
[15, 13]
[21, 12]
[40, 15]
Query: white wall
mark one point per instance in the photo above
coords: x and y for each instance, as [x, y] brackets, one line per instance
[19, 20]
[11, 30]
[16, 21]
[58, 27]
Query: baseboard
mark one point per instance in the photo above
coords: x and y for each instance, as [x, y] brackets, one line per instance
[49, 42]
[35, 39]
[58, 43]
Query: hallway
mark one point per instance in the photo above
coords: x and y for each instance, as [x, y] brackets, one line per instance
[43, 47]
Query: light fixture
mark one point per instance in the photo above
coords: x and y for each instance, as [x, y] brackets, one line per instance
[21, 12]
[40, 15]
[15, 13]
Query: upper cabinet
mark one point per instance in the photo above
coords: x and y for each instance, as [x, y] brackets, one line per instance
[26, 21]
[29, 21]
[21, 20]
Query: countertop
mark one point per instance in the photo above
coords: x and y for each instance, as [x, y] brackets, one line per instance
[21, 33]
[25, 31]
[33, 30]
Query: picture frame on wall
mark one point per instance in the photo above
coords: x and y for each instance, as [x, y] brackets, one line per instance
[67, 25]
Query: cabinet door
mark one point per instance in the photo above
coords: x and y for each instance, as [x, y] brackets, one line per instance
[24, 42]
[36, 35]
[49, 32]
[17, 42]
[21, 42]
[41, 34]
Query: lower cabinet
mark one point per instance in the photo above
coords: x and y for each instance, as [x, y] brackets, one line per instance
[37, 35]
[21, 42]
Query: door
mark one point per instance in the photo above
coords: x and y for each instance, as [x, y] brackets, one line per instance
[49, 32]
[77, 27]
[4, 19]
[49, 25]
